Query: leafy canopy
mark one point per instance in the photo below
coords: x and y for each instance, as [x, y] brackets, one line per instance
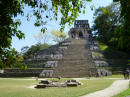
[107, 19]
[111, 25]
[124, 30]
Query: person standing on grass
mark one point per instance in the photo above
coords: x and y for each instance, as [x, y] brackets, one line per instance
[126, 74]
[127, 71]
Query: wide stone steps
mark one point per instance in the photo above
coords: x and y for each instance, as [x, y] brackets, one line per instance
[76, 62]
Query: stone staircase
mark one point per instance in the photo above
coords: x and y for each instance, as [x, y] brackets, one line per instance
[77, 61]
[100, 62]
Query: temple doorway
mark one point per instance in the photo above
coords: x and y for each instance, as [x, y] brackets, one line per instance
[73, 34]
[80, 34]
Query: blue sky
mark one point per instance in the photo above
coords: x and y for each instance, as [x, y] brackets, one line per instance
[30, 30]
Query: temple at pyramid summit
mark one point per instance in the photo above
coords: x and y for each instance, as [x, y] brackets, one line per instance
[74, 57]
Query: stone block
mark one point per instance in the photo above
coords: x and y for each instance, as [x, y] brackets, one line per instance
[45, 82]
[73, 80]
[41, 86]
[72, 84]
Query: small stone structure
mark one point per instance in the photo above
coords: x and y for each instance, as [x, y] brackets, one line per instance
[81, 30]
[68, 83]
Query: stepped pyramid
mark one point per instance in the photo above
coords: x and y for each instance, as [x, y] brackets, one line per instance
[74, 57]
[77, 59]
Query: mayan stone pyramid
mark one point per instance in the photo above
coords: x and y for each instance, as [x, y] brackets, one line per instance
[76, 56]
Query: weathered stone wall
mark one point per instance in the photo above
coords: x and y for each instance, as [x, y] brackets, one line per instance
[21, 73]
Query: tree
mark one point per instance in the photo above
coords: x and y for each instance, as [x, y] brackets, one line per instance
[43, 10]
[42, 38]
[11, 58]
[58, 36]
[33, 50]
[106, 22]
[124, 30]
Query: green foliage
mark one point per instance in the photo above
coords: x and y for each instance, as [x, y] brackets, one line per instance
[112, 52]
[111, 25]
[8, 29]
[33, 50]
[124, 30]
[102, 46]
[126, 93]
[106, 22]
[10, 58]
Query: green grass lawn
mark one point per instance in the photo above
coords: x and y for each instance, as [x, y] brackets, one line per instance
[19, 88]
[114, 76]
[124, 94]
[102, 46]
